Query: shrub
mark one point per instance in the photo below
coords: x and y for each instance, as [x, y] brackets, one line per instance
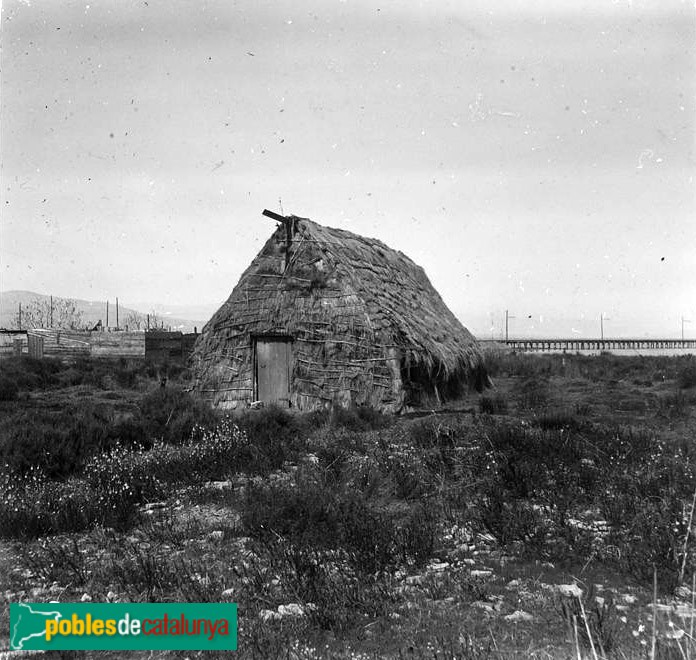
[530, 483]
[58, 443]
[440, 432]
[358, 418]
[128, 432]
[650, 538]
[527, 365]
[275, 437]
[338, 452]
[69, 377]
[210, 454]
[599, 616]
[534, 394]
[410, 475]
[8, 388]
[558, 419]
[112, 485]
[101, 372]
[110, 373]
[33, 505]
[514, 521]
[674, 404]
[120, 480]
[333, 596]
[308, 513]
[171, 414]
[30, 373]
[493, 404]
[305, 513]
[530, 462]
[687, 374]
[419, 533]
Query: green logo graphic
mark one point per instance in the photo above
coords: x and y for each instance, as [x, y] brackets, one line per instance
[123, 626]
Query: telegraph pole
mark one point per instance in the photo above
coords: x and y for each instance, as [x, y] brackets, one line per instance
[116, 313]
[51, 311]
[683, 321]
[507, 316]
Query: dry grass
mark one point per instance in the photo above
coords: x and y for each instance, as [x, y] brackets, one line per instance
[554, 526]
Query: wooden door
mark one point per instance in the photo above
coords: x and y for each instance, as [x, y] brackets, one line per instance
[273, 370]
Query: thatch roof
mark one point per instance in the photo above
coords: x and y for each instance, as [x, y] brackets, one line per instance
[398, 294]
[333, 285]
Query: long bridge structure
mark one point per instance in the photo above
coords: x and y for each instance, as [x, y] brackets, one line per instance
[575, 344]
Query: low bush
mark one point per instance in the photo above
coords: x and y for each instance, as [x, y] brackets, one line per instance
[651, 537]
[534, 394]
[56, 442]
[530, 482]
[675, 404]
[558, 419]
[102, 372]
[33, 505]
[594, 368]
[113, 483]
[511, 521]
[595, 620]
[30, 373]
[122, 479]
[170, 414]
[307, 512]
[526, 365]
[493, 404]
[687, 374]
[419, 533]
[358, 418]
[275, 436]
[536, 463]
[411, 477]
[8, 388]
[333, 596]
[442, 432]
[59, 442]
[210, 454]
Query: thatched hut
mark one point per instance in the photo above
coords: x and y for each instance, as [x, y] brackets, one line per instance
[324, 317]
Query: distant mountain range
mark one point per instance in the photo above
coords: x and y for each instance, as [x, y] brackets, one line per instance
[91, 312]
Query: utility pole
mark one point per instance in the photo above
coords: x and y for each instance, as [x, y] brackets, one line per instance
[683, 321]
[51, 311]
[107, 314]
[117, 313]
[602, 318]
[507, 316]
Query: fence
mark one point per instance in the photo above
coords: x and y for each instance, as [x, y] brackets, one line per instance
[169, 344]
[71, 344]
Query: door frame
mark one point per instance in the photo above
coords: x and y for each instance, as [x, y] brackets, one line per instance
[271, 336]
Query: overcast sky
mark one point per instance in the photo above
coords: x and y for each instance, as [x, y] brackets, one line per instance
[535, 156]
